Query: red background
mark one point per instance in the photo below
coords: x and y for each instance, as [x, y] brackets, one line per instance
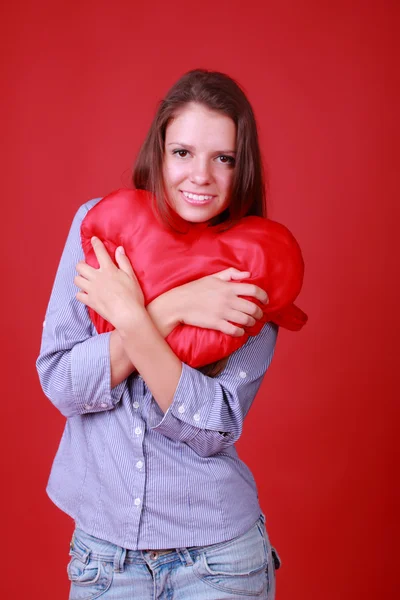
[81, 82]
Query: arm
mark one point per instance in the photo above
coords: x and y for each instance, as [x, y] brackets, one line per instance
[163, 314]
[79, 370]
[211, 302]
[207, 413]
[74, 364]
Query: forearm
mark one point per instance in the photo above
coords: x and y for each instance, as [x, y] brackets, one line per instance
[208, 413]
[205, 413]
[163, 314]
[146, 348]
[120, 364]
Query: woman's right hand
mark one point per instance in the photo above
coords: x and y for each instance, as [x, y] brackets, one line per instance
[211, 302]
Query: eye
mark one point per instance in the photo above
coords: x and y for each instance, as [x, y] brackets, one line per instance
[226, 160]
[181, 153]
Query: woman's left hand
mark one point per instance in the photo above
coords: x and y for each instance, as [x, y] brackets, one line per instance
[113, 292]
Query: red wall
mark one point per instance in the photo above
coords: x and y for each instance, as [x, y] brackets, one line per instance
[80, 85]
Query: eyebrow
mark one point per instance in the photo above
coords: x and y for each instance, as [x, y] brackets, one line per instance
[189, 147]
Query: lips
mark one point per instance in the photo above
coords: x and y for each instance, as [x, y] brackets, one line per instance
[197, 199]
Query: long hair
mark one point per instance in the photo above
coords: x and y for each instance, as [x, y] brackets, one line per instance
[220, 93]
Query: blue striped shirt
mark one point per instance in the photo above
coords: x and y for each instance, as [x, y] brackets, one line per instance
[125, 471]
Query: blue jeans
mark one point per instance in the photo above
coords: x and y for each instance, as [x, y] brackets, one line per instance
[241, 568]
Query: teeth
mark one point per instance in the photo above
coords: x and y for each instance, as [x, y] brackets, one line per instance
[196, 197]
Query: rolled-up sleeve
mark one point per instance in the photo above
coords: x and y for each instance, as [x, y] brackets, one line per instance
[208, 413]
[74, 365]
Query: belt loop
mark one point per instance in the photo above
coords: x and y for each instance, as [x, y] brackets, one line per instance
[119, 560]
[185, 557]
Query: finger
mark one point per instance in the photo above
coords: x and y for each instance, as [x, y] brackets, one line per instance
[248, 307]
[101, 253]
[82, 297]
[249, 289]
[123, 262]
[237, 275]
[230, 329]
[231, 273]
[241, 318]
[84, 269]
[81, 283]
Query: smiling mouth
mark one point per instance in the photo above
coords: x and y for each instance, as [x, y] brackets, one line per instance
[197, 198]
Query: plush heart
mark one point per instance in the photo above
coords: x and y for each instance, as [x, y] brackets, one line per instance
[163, 259]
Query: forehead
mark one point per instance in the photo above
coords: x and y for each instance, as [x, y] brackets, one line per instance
[201, 127]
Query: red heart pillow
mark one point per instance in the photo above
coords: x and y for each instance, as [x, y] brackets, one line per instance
[163, 259]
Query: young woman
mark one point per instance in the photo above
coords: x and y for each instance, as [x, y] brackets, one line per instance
[147, 467]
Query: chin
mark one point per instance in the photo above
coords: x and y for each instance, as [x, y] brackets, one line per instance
[196, 215]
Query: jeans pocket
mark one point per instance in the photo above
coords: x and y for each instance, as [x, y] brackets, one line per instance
[89, 576]
[236, 567]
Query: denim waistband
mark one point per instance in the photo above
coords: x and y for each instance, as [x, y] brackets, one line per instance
[85, 546]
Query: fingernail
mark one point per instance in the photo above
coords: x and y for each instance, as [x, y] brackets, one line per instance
[266, 300]
[94, 239]
[121, 250]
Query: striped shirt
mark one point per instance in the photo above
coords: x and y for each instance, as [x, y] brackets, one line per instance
[125, 471]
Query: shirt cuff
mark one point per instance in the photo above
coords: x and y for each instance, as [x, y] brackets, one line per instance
[91, 375]
[185, 417]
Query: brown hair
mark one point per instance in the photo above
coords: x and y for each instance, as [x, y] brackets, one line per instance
[221, 93]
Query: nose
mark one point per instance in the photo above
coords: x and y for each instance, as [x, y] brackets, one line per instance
[201, 172]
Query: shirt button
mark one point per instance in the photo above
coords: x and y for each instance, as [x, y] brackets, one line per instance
[181, 409]
[135, 405]
[88, 406]
[196, 417]
[139, 464]
[104, 405]
[138, 431]
[137, 501]
[242, 374]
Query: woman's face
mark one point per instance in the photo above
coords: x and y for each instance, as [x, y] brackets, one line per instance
[199, 162]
